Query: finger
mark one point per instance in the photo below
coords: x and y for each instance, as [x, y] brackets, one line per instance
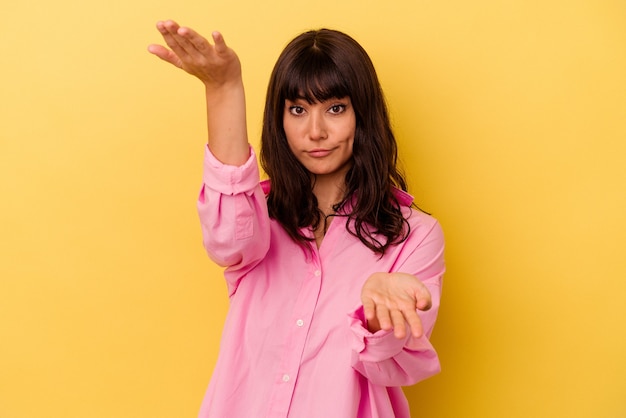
[160, 25]
[382, 314]
[369, 309]
[157, 50]
[220, 44]
[183, 41]
[373, 325]
[181, 38]
[423, 300]
[165, 54]
[415, 323]
[399, 325]
[169, 31]
[167, 27]
[194, 39]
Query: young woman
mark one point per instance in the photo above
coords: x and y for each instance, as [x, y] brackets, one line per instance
[334, 278]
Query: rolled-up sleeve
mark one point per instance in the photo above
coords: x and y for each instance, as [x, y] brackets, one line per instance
[381, 357]
[233, 215]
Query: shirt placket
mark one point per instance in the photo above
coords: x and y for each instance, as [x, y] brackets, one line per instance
[300, 324]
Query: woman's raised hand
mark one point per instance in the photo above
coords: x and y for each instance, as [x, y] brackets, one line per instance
[215, 65]
[219, 69]
[390, 301]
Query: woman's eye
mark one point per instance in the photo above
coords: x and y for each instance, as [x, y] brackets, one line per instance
[337, 108]
[296, 110]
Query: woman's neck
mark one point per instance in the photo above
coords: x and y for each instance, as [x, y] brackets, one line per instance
[329, 192]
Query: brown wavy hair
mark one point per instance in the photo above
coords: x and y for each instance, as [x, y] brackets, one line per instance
[316, 66]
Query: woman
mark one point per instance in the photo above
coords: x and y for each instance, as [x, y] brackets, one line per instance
[334, 279]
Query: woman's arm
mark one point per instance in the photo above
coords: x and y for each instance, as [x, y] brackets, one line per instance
[231, 204]
[393, 326]
[218, 68]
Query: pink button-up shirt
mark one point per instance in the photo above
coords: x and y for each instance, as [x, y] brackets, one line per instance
[295, 342]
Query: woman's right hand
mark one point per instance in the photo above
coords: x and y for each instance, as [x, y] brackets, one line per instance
[219, 69]
[215, 65]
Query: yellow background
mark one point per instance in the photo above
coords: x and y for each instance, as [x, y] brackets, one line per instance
[511, 117]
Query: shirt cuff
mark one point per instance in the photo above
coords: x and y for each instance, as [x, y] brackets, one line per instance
[229, 179]
[372, 347]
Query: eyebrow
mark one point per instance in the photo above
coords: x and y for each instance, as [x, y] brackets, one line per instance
[330, 99]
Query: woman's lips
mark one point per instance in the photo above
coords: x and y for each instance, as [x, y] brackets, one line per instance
[319, 153]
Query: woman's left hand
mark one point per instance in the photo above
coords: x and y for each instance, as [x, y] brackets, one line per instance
[390, 301]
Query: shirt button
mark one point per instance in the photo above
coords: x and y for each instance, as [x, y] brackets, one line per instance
[299, 322]
[285, 378]
[317, 273]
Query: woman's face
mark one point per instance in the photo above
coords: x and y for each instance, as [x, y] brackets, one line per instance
[321, 134]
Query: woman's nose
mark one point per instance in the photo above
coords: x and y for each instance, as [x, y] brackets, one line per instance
[317, 127]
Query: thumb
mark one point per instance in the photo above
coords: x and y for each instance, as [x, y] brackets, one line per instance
[220, 44]
[423, 300]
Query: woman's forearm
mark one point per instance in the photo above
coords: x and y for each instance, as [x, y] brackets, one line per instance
[226, 122]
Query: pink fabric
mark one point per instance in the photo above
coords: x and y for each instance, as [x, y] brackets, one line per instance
[295, 343]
